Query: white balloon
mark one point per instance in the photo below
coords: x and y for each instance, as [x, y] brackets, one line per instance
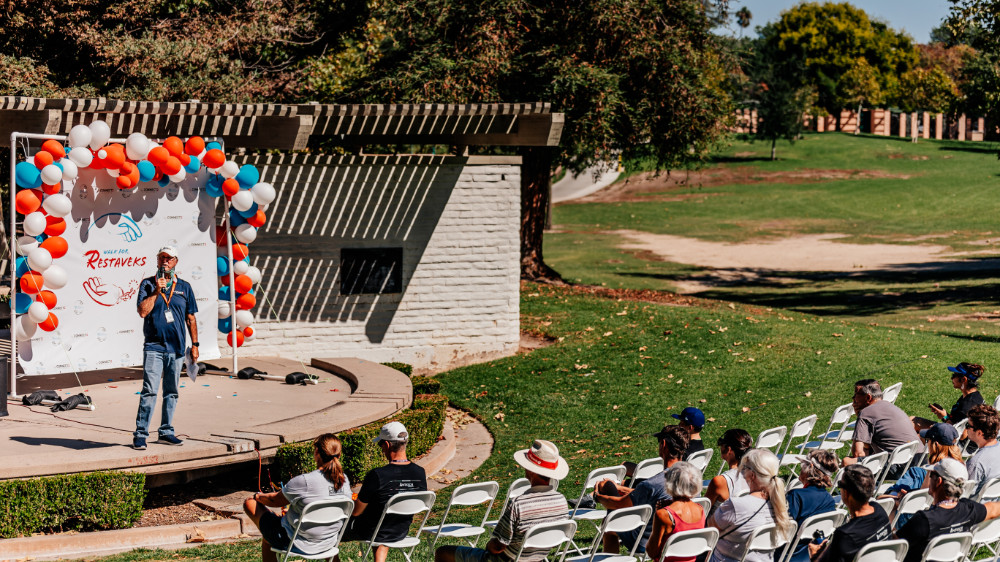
[25, 244]
[26, 328]
[34, 224]
[240, 267]
[79, 136]
[58, 205]
[224, 309]
[229, 169]
[254, 274]
[100, 134]
[69, 169]
[51, 174]
[39, 259]
[246, 233]
[55, 277]
[243, 200]
[263, 193]
[251, 337]
[179, 176]
[136, 146]
[38, 312]
[81, 156]
[244, 318]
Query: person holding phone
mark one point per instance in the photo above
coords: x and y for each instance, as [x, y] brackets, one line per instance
[166, 303]
[964, 377]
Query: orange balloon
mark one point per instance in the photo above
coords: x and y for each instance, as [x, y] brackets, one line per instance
[229, 338]
[174, 146]
[116, 156]
[48, 298]
[246, 301]
[158, 156]
[185, 159]
[134, 176]
[42, 159]
[55, 225]
[127, 168]
[194, 146]
[257, 220]
[243, 283]
[55, 148]
[240, 252]
[124, 182]
[214, 158]
[51, 189]
[56, 245]
[230, 187]
[31, 282]
[28, 201]
[50, 323]
[172, 166]
[248, 331]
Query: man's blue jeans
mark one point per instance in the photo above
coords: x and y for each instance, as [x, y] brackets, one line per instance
[157, 365]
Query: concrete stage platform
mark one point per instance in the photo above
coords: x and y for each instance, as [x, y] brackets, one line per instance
[222, 419]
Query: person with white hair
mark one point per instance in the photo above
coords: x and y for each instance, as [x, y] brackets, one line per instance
[737, 517]
[682, 482]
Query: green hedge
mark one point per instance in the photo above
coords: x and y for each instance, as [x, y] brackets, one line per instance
[82, 502]
[424, 422]
[404, 368]
[425, 385]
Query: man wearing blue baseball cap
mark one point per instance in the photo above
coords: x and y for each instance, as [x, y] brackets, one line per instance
[692, 420]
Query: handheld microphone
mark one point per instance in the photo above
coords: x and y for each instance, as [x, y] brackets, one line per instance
[161, 272]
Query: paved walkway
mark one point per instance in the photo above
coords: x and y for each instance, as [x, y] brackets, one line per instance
[589, 181]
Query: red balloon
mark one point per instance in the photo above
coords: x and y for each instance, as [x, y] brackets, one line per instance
[55, 225]
[50, 323]
[194, 146]
[31, 282]
[172, 166]
[174, 146]
[28, 201]
[55, 148]
[257, 220]
[46, 297]
[158, 156]
[246, 301]
[42, 159]
[248, 331]
[224, 279]
[243, 283]
[124, 182]
[229, 338]
[51, 189]
[97, 163]
[230, 187]
[56, 245]
[185, 159]
[116, 156]
[214, 158]
[220, 236]
[240, 252]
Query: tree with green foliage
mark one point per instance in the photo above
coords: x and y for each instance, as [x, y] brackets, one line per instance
[926, 89]
[634, 78]
[977, 23]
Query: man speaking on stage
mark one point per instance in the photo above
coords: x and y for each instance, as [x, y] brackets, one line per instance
[166, 304]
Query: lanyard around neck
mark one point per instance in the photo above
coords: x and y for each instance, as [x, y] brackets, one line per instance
[173, 287]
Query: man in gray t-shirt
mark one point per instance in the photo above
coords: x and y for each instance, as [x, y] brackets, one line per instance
[881, 425]
[982, 427]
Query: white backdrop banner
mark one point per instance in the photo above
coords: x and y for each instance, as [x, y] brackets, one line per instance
[113, 237]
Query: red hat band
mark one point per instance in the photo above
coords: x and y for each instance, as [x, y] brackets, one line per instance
[536, 460]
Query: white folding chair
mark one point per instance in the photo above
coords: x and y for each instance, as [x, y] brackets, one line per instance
[515, 489]
[996, 403]
[888, 504]
[705, 503]
[794, 483]
[960, 428]
[825, 522]
[319, 513]
[646, 469]
[969, 489]
[597, 514]
[771, 439]
[986, 534]
[948, 548]
[403, 503]
[833, 439]
[700, 459]
[690, 544]
[477, 493]
[618, 521]
[912, 502]
[885, 551]
[766, 539]
[901, 455]
[547, 536]
[890, 394]
[801, 429]
[989, 492]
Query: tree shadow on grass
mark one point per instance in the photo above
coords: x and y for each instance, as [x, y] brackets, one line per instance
[979, 147]
[739, 159]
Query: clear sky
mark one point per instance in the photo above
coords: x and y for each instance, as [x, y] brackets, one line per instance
[916, 17]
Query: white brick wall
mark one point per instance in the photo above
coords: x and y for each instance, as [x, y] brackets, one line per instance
[457, 220]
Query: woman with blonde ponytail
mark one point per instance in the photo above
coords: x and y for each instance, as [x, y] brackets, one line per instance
[737, 518]
[326, 482]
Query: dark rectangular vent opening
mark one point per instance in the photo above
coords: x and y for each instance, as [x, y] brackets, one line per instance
[371, 271]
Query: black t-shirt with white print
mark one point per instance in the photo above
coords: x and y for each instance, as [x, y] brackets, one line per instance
[929, 523]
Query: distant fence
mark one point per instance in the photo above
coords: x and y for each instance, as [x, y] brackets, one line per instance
[885, 122]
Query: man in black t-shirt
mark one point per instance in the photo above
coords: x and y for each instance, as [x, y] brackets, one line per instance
[949, 514]
[869, 522]
[380, 484]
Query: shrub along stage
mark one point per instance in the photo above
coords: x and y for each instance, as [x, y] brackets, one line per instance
[79, 502]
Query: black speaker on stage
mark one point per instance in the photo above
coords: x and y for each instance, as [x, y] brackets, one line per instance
[3, 386]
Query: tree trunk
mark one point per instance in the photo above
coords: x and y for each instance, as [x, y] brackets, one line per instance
[773, 143]
[536, 178]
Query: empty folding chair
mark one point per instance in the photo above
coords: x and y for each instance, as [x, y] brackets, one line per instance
[315, 514]
[771, 439]
[912, 502]
[825, 522]
[645, 470]
[705, 503]
[793, 484]
[801, 429]
[594, 515]
[700, 459]
[885, 551]
[403, 503]
[831, 438]
[986, 534]
[547, 536]
[960, 428]
[766, 539]
[989, 492]
[618, 521]
[996, 403]
[477, 493]
[515, 489]
[948, 548]
[888, 504]
[901, 455]
[690, 544]
[890, 394]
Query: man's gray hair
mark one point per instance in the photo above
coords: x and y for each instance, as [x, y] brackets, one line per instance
[682, 481]
[950, 490]
[870, 387]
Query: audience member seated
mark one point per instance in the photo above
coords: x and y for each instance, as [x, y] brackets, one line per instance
[982, 427]
[379, 485]
[965, 378]
[881, 426]
[868, 522]
[733, 445]
[942, 442]
[692, 420]
[682, 482]
[539, 504]
[814, 496]
[326, 482]
[673, 441]
[950, 513]
[737, 518]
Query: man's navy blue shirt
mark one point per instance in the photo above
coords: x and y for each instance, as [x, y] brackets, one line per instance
[161, 335]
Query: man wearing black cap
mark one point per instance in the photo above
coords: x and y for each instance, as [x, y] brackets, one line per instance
[692, 420]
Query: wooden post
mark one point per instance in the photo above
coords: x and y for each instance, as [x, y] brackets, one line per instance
[902, 125]
[926, 133]
[961, 127]
[939, 126]
[914, 126]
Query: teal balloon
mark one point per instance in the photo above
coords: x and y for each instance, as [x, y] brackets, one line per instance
[27, 175]
[249, 212]
[21, 266]
[223, 266]
[223, 293]
[226, 325]
[212, 145]
[248, 176]
[214, 185]
[147, 171]
[21, 302]
[193, 166]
